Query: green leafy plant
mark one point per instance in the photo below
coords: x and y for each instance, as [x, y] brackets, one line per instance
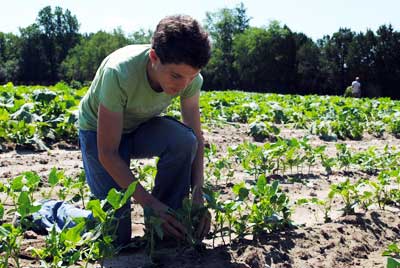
[381, 189]
[393, 253]
[153, 225]
[344, 157]
[190, 215]
[394, 127]
[103, 231]
[270, 210]
[261, 131]
[62, 248]
[349, 193]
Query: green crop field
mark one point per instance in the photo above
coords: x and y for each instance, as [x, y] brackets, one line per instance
[291, 181]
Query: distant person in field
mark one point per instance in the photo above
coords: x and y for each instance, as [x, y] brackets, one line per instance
[356, 88]
[119, 119]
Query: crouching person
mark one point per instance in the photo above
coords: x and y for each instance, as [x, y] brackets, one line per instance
[119, 119]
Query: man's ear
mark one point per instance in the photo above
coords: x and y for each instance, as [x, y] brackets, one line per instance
[153, 56]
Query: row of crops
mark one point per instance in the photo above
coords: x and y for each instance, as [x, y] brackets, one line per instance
[37, 117]
[255, 209]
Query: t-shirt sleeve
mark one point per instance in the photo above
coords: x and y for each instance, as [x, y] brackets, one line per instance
[193, 87]
[110, 91]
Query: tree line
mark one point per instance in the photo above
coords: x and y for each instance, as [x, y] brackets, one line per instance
[262, 59]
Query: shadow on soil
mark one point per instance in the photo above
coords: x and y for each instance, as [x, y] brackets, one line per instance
[261, 251]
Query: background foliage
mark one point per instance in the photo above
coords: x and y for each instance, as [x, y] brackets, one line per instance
[264, 59]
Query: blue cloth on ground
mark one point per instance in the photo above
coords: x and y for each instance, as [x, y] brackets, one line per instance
[57, 213]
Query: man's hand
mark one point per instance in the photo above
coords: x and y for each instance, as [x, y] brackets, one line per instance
[170, 224]
[205, 221]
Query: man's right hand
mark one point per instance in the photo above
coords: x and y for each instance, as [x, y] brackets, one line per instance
[171, 225]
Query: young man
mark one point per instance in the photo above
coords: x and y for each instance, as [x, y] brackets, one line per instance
[119, 119]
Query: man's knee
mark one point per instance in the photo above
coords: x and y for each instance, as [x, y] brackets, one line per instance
[186, 143]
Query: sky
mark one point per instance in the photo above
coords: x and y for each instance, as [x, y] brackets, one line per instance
[315, 18]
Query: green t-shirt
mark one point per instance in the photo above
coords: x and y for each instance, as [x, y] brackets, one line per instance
[121, 85]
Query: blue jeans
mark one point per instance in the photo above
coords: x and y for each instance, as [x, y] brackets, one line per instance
[172, 141]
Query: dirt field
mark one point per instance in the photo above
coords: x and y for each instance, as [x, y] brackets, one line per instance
[349, 241]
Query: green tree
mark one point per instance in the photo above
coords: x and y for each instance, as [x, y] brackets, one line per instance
[46, 43]
[388, 60]
[223, 25]
[33, 62]
[9, 57]
[334, 54]
[140, 37]
[361, 62]
[84, 59]
[308, 65]
[265, 59]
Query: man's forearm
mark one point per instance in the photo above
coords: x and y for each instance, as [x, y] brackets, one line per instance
[198, 170]
[122, 175]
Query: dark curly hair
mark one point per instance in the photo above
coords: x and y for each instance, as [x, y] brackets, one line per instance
[181, 39]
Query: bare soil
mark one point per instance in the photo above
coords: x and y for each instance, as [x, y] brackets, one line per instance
[348, 241]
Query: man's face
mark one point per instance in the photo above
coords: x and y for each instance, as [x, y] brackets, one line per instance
[173, 78]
